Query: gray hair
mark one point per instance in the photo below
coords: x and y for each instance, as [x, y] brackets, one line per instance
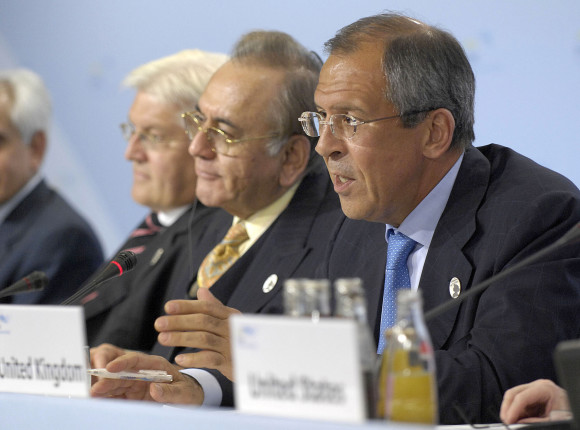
[29, 101]
[277, 50]
[177, 79]
[425, 68]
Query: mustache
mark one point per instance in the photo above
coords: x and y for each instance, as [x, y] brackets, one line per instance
[338, 168]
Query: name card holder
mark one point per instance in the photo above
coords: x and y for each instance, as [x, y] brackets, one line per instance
[42, 350]
[294, 367]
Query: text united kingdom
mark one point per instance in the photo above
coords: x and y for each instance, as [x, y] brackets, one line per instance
[40, 369]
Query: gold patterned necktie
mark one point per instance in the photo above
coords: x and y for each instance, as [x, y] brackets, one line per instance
[222, 257]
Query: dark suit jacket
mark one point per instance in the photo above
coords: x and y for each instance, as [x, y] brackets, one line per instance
[293, 247]
[503, 208]
[125, 308]
[45, 233]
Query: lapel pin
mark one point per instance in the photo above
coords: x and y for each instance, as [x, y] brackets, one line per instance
[156, 257]
[454, 287]
[270, 283]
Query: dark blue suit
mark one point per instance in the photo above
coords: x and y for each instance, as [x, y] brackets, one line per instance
[45, 233]
[122, 311]
[503, 207]
[292, 247]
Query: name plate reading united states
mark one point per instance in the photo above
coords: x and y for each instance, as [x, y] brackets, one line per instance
[294, 367]
[42, 350]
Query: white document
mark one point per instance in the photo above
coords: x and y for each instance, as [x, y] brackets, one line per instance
[294, 367]
[42, 350]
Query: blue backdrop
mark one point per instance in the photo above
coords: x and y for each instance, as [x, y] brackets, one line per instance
[525, 53]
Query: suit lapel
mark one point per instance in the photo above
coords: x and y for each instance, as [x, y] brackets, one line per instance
[166, 239]
[13, 226]
[445, 259]
[360, 250]
[263, 281]
[277, 254]
[279, 251]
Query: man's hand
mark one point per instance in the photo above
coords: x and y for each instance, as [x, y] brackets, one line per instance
[104, 354]
[183, 389]
[201, 324]
[541, 400]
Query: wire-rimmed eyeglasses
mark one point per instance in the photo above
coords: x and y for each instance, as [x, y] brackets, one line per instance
[221, 141]
[342, 126]
[145, 138]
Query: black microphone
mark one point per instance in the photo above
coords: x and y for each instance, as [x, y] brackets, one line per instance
[569, 237]
[125, 261]
[35, 281]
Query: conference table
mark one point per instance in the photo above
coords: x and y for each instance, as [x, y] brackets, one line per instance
[25, 411]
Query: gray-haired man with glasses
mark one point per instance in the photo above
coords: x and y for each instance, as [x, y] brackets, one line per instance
[395, 114]
[252, 159]
[122, 311]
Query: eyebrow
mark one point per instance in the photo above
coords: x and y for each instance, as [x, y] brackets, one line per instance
[219, 120]
[148, 128]
[344, 108]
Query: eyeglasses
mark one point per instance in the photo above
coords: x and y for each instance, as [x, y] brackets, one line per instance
[222, 142]
[342, 126]
[147, 139]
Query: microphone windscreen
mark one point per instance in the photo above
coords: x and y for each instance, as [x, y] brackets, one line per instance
[35, 281]
[127, 260]
[38, 280]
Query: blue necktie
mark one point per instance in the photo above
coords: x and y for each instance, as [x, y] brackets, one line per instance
[396, 277]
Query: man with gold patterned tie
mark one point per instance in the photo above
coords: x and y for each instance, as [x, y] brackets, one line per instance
[252, 159]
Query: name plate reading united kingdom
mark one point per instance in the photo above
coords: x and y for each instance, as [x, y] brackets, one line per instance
[294, 367]
[42, 350]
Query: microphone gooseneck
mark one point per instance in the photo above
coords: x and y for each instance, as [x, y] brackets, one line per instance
[568, 238]
[125, 261]
[35, 281]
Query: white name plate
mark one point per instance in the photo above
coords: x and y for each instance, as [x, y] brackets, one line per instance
[293, 367]
[42, 350]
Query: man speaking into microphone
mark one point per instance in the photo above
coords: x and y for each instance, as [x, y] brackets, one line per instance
[395, 114]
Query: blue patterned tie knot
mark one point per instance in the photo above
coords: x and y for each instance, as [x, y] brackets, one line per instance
[399, 248]
[396, 277]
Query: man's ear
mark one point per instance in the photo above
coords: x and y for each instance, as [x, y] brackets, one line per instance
[441, 128]
[295, 156]
[38, 148]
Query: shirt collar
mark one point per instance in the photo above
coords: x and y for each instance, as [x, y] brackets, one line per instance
[420, 224]
[167, 218]
[9, 206]
[259, 222]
